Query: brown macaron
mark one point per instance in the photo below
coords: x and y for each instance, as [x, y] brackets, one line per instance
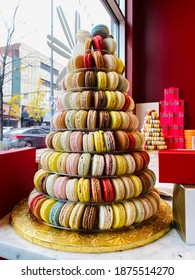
[90, 79]
[98, 59]
[104, 119]
[92, 119]
[89, 217]
[86, 99]
[43, 183]
[96, 190]
[48, 139]
[139, 161]
[121, 140]
[78, 80]
[99, 99]
[152, 174]
[147, 182]
[146, 158]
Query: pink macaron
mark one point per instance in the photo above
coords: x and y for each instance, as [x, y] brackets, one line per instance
[110, 165]
[76, 141]
[72, 164]
[60, 187]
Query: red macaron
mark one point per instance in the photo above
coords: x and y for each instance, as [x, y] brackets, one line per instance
[131, 141]
[146, 158]
[88, 60]
[98, 42]
[108, 190]
[127, 102]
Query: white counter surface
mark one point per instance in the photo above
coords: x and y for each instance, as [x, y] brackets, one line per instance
[169, 247]
[14, 247]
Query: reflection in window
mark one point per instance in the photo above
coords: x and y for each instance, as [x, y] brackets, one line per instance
[46, 83]
[47, 68]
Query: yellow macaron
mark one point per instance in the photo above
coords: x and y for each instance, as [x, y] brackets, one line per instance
[120, 67]
[110, 99]
[37, 178]
[121, 165]
[101, 80]
[56, 141]
[45, 209]
[84, 190]
[119, 216]
[99, 142]
[116, 120]
[138, 186]
[52, 162]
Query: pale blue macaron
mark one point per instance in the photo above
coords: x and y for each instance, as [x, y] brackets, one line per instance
[100, 29]
[55, 212]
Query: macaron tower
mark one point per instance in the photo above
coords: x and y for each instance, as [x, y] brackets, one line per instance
[95, 174]
[153, 132]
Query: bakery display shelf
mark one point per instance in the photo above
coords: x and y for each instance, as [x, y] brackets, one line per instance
[99, 242]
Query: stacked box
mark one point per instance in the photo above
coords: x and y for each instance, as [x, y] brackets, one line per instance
[172, 118]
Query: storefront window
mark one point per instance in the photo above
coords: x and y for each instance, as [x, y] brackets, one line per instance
[83, 14]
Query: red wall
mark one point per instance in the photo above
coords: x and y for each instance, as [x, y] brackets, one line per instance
[163, 51]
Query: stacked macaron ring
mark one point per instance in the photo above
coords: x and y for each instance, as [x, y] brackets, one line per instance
[109, 100]
[72, 215]
[94, 174]
[93, 189]
[80, 80]
[90, 120]
[87, 164]
[98, 141]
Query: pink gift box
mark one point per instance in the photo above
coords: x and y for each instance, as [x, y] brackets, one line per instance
[176, 93]
[169, 142]
[170, 130]
[181, 105]
[165, 130]
[176, 130]
[181, 143]
[171, 106]
[181, 130]
[164, 119]
[168, 94]
[161, 106]
[171, 118]
[175, 142]
[176, 118]
[176, 106]
[181, 118]
[171, 93]
[166, 106]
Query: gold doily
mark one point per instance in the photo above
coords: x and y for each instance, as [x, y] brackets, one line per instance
[70, 241]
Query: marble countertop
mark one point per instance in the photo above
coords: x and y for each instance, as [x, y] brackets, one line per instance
[169, 247]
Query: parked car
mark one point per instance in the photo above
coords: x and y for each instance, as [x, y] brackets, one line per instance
[26, 137]
[7, 129]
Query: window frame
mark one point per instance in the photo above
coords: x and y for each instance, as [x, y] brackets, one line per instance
[113, 8]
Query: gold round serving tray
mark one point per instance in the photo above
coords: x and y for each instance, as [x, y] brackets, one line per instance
[71, 241]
